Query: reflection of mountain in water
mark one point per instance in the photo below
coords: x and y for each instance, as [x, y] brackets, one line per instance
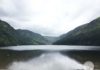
[8, 56]
[17, 56]
[48, 61]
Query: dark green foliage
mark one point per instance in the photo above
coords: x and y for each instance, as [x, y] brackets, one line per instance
[88, 34]
[28, 38]
[11, 37]
[7, 34]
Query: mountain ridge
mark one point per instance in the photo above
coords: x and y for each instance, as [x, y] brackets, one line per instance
[87, 34]
[12, 37]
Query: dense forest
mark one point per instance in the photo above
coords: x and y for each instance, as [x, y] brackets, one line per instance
[87, 34]
[12, 37]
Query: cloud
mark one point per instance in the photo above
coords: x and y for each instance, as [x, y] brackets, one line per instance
[49, 17]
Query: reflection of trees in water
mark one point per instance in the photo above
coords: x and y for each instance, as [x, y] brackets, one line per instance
[83, 56]
[8, 56]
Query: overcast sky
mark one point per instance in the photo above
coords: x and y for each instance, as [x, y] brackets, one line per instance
[49, 17]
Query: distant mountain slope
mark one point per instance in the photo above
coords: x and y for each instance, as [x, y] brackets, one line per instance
[88, 34]
[51, 39]
[28, 37]
[9, 36]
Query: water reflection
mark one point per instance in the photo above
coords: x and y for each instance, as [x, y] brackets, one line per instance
[48, 57]
[48, 61]
[9, 56]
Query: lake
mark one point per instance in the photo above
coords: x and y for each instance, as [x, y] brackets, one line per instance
[48, 57]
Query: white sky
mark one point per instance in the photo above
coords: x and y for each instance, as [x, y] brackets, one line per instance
[49, 17]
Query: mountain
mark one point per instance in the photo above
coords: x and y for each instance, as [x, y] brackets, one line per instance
[87, 34]
[7, 34]
[11, 37]
[51, 39]
[27, 37]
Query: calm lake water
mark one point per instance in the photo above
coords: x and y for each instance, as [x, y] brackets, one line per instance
[48, 57]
